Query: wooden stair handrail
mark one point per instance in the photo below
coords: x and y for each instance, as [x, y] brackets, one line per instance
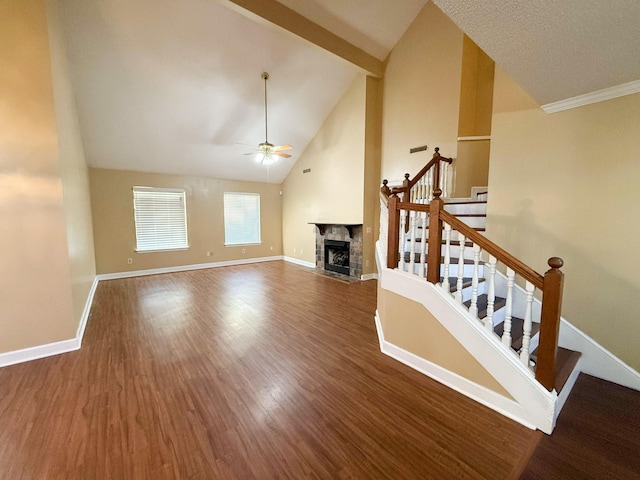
[407, 183]
[487, 245]
[551, 284]
[427, 167]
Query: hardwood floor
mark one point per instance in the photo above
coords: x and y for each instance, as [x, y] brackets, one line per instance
[597, 436]
[263, 371]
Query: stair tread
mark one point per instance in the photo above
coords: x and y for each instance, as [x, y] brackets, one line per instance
[517, 325]
[463, 202]
[566, 361]
[482, 302]
[453, 260]
[466, 282]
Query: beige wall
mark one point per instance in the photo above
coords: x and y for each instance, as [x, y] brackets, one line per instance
[471, 167]
[74, 170]
[567, 184]
[333, 191]
[35, 281]
[421, 93]
[114, 228]
[409, 325]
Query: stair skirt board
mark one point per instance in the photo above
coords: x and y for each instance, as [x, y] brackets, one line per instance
[505, 406]
[597, 360]
[504, 365]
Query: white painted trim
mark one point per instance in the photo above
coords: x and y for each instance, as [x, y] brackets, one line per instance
[597, 360]
[473, 138]
[85, 313]
[369, 276]
[39, 351]
[493, 400]
[185, 268]
[297, 261]
[593, 97]
[568, 386]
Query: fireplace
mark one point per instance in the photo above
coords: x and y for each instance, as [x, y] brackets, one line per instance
[336, 256]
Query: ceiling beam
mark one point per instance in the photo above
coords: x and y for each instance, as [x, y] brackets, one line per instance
[290, 20]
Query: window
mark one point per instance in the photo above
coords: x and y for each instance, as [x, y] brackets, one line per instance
[161, 219]
[241, 218]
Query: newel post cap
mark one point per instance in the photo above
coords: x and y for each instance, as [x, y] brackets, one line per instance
[555, 262]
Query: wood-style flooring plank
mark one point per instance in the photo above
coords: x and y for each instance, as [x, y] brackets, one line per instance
[263, 371]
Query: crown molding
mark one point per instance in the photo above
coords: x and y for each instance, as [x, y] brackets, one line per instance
[593, 97]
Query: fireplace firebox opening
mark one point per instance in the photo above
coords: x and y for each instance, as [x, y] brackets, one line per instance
[336, 256]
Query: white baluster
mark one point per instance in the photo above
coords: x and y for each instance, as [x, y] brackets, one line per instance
[412, 244]
[445, 177]
[447, 257]
[423, 242]
[403, 223]
[508, 309]
[473, 308]
[526, 335]
[460, 283]
[491, 294]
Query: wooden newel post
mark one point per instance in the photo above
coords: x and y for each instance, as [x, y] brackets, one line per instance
[550, 323]
[435, 237]
[436, 172]
[385, 189]
[394, 232]
[405, 186]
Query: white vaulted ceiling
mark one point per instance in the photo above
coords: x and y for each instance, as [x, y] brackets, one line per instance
[171, 87]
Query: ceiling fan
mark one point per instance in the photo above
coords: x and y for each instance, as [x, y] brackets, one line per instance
[268, 153]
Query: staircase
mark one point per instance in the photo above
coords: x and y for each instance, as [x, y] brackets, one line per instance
[510, 309]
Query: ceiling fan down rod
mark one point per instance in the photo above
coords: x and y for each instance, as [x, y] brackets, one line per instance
[265, 77]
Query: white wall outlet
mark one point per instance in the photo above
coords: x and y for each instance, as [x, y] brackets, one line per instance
[271, 248]
[295, 250]
[367, 263]
[129, 261]
[208, 254]
[368, 229]
[300, 251]
[244, 250]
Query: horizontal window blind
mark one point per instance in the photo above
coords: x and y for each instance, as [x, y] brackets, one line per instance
[160, 218]
[241, 218]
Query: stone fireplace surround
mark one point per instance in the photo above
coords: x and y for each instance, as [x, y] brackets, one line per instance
[351, 233]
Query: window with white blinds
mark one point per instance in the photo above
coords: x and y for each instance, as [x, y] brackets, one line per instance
[241, 218]
[161, 219]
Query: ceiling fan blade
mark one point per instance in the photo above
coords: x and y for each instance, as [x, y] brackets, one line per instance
[280, 148]
[283, 155]
[248, 146]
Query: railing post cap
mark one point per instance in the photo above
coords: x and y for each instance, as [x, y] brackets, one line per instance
[437, 150]
[555, 262]
[406, 175]
[437, 192]
[385, 181]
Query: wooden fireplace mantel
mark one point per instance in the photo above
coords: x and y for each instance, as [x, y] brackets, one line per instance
[323, 226]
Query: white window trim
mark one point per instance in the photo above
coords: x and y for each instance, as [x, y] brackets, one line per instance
[155, 248]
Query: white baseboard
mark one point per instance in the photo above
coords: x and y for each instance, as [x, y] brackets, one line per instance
[597, 360]
[489, 398]
[39, 351]
[369, 276]
[297, 261]
[185, 268]
[55, 348]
